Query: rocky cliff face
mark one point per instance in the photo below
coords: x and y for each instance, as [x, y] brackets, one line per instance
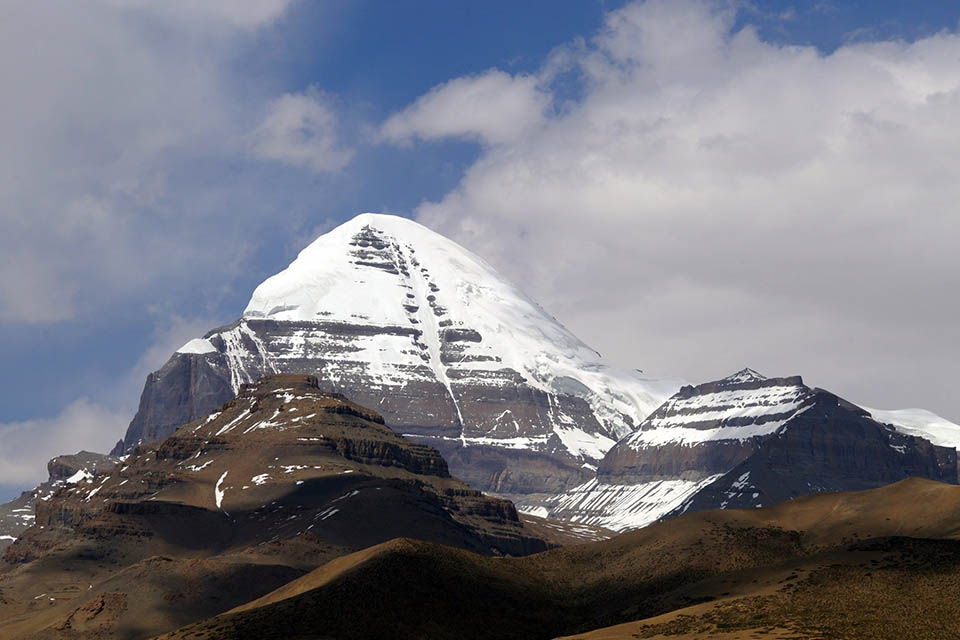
[402, 320]
[747, 441]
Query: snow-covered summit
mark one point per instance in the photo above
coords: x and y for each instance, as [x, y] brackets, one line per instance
[744, 375]
[380, 270]
[374, 269]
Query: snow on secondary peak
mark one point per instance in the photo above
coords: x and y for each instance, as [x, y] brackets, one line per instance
[197, 345]
[744, 375]
[922, 423]
[738, 407]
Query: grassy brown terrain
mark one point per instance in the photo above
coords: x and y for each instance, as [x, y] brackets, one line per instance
[882, 589]
[875, 564]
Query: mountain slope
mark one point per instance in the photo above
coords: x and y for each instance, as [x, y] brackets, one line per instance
[746, 441]
[18, 515]
[731, 558]
[281, 479]
[407, 322]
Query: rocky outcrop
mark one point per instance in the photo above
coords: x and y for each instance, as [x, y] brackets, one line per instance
[746, 441]
[19, 514]
[400, 319]
[86, 462]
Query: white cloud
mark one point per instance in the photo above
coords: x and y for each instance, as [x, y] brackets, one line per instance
[713, 200]
[113, 137]
[493, 107]
[25, 447]
[300, 129]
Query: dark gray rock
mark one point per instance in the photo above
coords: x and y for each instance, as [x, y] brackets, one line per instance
[742, 442]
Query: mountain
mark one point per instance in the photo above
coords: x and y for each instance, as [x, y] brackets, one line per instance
[882, 564]
[746, 441]
[276, 482]
[18, 515]
[401, 319]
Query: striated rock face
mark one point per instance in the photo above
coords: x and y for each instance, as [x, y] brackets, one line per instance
[402, 320]
[705, 430]
[746, 441]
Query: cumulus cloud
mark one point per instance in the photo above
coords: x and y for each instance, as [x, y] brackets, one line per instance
[25, 447]
[120, 140]
[713, 200]
[300, 129]
[493, 107]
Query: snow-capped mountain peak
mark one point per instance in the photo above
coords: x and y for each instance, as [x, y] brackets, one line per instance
[409, 323]
[744, 375]
[380, 270]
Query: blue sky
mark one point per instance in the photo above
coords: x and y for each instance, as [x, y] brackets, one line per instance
[160, 163]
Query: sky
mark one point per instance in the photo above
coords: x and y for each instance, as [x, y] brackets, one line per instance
[691, 186]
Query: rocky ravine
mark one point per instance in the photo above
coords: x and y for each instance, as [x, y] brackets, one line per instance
[746, 441]
[276, 482]
[404, 321]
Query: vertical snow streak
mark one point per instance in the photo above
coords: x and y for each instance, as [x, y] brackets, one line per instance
[431, 330]
[217, 492]
[265, 362]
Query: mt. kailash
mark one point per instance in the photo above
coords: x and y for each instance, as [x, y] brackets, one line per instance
[408, 323]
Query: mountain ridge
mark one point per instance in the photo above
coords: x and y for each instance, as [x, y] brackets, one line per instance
[745, 441]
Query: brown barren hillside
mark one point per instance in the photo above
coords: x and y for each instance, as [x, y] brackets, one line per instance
[279, 481]
[882, 563]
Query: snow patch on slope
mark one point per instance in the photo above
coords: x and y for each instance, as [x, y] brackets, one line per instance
[623, 506]
[80, 476]
[687, 436]
[197, 345]
[218, 492]
[922, 423]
